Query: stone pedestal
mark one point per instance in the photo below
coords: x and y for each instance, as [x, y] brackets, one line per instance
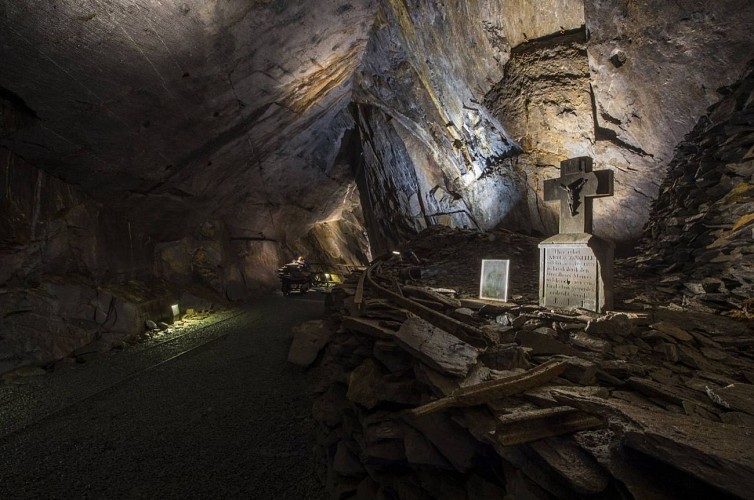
[576, 270]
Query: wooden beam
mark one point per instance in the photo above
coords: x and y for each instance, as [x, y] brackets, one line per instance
[495, 389]
[465, 332]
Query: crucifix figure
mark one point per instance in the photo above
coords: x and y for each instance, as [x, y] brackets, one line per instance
[572, 192]
[576, 187]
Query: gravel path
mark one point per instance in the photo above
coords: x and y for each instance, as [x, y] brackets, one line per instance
[228, 420]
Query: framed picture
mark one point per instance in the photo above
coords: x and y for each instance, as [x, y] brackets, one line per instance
[493, 283]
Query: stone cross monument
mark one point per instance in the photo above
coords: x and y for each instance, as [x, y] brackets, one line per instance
[576, 267]
[576, 187]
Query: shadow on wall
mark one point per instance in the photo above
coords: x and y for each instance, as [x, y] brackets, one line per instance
[48, 227]
[72, 273]
[230, 268]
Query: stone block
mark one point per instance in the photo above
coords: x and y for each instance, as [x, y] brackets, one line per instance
[576, 271]
[309, 339]
[434, 346]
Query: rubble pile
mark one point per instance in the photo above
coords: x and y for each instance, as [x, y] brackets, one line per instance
[428, 393]
[434, 258]
[700, 234]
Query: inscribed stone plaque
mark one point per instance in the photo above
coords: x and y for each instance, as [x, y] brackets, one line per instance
[493, 283]
[576, 271]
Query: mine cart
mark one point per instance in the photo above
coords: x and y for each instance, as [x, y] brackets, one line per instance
[294, 278]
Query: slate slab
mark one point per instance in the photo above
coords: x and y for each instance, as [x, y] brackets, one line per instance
[437, 348]
[308, 340]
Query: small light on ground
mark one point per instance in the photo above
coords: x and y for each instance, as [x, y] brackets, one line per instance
[176, 310]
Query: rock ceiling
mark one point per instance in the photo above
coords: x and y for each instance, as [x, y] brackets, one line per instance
[174, 113]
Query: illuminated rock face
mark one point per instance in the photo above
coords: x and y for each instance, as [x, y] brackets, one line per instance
[180, 112]
[484, 102]
[175, 114]
[206, 142]
[423, 126]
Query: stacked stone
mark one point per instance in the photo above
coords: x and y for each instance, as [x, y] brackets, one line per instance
[408, 410]
[702, 224]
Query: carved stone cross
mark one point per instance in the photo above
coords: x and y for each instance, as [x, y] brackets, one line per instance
[576, 187]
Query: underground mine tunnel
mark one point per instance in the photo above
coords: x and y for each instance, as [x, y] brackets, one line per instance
[529, 229]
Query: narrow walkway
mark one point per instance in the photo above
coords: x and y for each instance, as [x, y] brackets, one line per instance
[229, 419]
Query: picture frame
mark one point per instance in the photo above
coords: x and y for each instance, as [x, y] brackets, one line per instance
[493, 281]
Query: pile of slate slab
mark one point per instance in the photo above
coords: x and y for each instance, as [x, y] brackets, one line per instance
[427, 394]
[700, 233]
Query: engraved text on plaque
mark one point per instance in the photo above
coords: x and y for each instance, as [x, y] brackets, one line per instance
[570, 277]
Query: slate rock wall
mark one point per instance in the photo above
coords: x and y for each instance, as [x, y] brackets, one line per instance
[73, 272]
[214, 263]
[181, 112]
[48, 227]
[428, 144]
[342, 240]
[544, 102]
[259, 263]
[655, 67]
[388, 184]
[491, 96]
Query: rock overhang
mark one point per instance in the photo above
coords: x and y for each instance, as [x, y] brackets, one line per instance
[178, 113]
[174, 113]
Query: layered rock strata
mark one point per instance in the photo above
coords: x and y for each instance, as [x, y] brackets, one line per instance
[477, 121]
[181, 113]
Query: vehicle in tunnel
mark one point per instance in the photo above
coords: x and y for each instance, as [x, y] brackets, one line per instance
[295, 276]
[301, 277]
